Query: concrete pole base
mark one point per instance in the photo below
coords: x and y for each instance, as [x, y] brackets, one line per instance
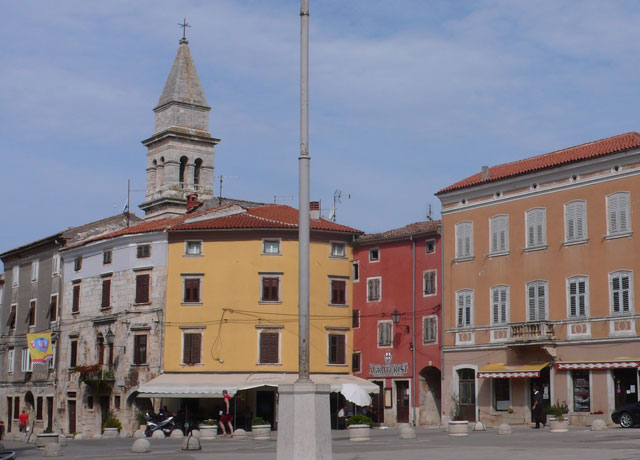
[304, 425]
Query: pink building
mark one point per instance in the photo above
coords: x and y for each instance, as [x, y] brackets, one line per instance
[396, 317]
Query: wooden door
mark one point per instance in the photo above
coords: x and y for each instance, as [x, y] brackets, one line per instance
[378, 404]
[402, 401]
[9, 413]
[71, 409]
[50, 412]
[467, 394]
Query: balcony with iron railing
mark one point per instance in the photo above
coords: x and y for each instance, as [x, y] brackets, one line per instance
[531, 331]
[98, 377]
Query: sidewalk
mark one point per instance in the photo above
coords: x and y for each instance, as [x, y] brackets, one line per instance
[432, 443]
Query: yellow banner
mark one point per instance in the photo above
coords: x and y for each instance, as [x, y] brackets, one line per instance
[40, 346]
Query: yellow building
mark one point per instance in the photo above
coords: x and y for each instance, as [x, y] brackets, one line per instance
[232, 309]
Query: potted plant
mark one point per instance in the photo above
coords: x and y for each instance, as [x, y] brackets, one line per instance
[558, 423]
[458, 426]
[260, 429]
[142, 421]
[111, 427]
[208, 429]
[359, 427]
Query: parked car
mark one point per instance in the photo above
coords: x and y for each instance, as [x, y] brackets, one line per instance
[627, 416]
[7, 455]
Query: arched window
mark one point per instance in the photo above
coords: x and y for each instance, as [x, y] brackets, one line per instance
[153, 179]
[160, 173]
[196, 172]
[183, 167]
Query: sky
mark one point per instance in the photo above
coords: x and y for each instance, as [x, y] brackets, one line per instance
[406, 97]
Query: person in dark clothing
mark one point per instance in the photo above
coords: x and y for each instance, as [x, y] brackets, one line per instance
[536, 409]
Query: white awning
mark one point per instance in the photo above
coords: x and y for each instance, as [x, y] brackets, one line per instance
[209, 385]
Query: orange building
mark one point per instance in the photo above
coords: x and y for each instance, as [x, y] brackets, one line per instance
[540, 269]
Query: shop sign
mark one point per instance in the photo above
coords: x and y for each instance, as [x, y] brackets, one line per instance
[388, 370]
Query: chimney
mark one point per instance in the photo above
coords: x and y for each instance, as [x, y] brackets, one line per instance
[485, 172]
[314, 210]
[192, 201]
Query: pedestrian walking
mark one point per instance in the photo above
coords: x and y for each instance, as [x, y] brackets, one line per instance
[536, 409]
[23, 420]
[225, 416]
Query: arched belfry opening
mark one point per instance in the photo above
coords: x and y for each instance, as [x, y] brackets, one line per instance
[196, 173]
[183, 169]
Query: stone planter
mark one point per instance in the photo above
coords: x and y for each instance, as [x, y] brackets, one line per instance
[359, 432]
[110, 433]
[43, 439]
[261, 432]
[459, 428]
[558, 426]
[208, 432]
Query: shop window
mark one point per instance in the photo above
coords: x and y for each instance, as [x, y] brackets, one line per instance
[501, 395]
[581, 391]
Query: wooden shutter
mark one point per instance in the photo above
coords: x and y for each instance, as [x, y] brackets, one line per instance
[53, 308]
[186, 348]
[495, 300]
[191, 351]
[269, 347]
[355, 362]
[503, 305]
[192, 290]
[32, 313]
[12, 318]
[140, 346]
[460, 309]
[338, 288]
[142, 288]
[625, 293]
[73, 359]
[75, 307]
[340, 349]
[106, 293]
[270, 289]
[573, 298]
[615, 290]
[542, 301]
[355, 318]
[531, 300]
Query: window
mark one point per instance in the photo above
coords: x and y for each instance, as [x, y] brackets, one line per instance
[53, 308]
[35, 266]
[337, 349]
[356, 271]
[75, 304]
[501, 394]
[270, 289]
[11, 360]
[464, 301]
[621, 289]
[116, 402]
[106, 257]
[11, 322]
[374, 255]
[429, 283]
[355, 319]
[55, 264]
[464, 240]
[90, 402]
[618, 213]
[183, 167]
[143, 251]
[499, 305]
[100, 348]
[15, 276]
[429, 329]
[31, 319]
[39, 401]
[106, 293]
[577, 294]
[27, 365]
[271, 247]
[191, 290]
[374, 289]
[196, 172]
[269, 350]
[355, 362]
[537, 301]
[338, 292]
[430, 246]
[499, 230]
[338, 249]
[73, 353]
[536, 227]
[191, 348]
[193, 248]
[142, 288]
[385, 333]
[466, 386]
[575, 221]
[581, 391]
[77, 263]
[139, 349]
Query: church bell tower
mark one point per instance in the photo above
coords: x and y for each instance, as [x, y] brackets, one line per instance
[180, 151]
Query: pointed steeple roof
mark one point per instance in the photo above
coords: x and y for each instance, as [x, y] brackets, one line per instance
[183, 83]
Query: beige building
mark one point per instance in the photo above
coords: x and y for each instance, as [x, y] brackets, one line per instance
[540, 269]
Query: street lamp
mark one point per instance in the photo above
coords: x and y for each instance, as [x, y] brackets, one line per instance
[395, 317]
[110, 337]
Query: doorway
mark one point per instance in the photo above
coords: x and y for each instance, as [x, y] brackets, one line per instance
[104, 409]
[402, 401]
[543, 384]
[467, 394]
[265, 405]
[71, 404]
[50, 412]
[625, 384]
[377, 403]
[9, 413]
[430, 383]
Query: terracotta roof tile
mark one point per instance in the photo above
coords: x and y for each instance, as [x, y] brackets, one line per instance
[411, 229]
[582, 152]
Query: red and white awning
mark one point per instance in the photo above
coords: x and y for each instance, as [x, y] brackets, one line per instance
[620, 363]
[507, 371]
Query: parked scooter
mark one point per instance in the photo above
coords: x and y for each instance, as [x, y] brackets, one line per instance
[162, 422]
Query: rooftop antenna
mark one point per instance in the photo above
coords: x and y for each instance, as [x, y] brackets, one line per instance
[429, 214]
[222, 178]
[337, 199]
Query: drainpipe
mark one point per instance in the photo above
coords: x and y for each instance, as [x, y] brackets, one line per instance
[442, 309]
[413, 326]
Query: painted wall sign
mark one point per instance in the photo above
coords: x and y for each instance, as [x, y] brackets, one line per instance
[388, 370]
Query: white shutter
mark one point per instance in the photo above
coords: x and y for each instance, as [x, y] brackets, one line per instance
[542, 298]
[623, 206]
[618, 205]
[460, 309]
[503, 305]
[580, 211]
[573, 301]
[495, 300]
[10, 359]
[464, 239]
[499, 233]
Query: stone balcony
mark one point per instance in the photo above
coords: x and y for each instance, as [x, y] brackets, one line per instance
[531, 331]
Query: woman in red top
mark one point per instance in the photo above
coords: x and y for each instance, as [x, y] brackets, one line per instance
[226, 417]
[24, 420]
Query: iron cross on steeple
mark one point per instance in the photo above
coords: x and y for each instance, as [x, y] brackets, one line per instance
[184, 26]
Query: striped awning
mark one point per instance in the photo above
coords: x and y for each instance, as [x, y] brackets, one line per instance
[509, 371]
[617, 363]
